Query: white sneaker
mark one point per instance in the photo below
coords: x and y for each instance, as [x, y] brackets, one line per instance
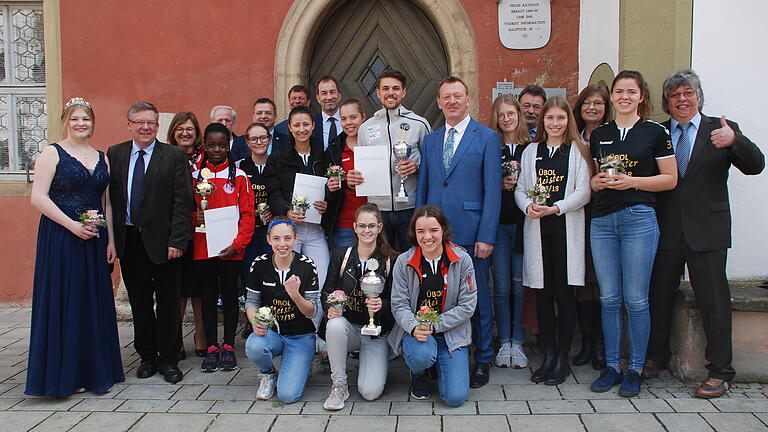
[517, 357]
[320, 347]
[502, 358]
[267, 386]
[339, 393]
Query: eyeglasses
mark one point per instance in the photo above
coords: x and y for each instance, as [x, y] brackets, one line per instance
[148, 123]
[259, 139]
[507, 116]
[687, 94]
[596, 103]
[362, 226]
[188, 130]
[223, 146]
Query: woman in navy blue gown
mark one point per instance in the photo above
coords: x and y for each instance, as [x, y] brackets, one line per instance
[73, 344]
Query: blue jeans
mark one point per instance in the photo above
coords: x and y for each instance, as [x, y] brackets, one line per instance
[396, 225]
[508, 274]
[453, 367]
[623, 249]
[297, 352]
[343, 237]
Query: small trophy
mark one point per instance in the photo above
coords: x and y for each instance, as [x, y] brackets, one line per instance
[401, 150]
[204, 188]
[372, 285]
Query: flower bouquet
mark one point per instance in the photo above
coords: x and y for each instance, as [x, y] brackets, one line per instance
[427, 317]
[264, 317]
[335, 171]
[510, 168]
[261, 208]
[539, 193]
[299, 203]
[338, 299]
[93, 219]
[612, 165]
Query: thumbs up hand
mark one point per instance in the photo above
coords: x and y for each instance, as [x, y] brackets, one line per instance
[723, 137]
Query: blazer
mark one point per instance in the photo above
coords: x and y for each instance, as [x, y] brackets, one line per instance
[317, 133]
[166, 200]
[698, 208]
[240, 149]
[470, 192]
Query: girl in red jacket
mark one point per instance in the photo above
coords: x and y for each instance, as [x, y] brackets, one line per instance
[217, 275]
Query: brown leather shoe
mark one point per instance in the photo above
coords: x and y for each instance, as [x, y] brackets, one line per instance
[712, 388]
[651, 369]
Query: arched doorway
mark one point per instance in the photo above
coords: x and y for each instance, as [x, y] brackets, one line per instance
[306, 18]
[362, 38]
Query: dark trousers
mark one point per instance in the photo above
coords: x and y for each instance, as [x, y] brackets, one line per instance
[556, 289]
[219, 276]
[153, 291]
[713, 297]
[482, 319]
[396, 225]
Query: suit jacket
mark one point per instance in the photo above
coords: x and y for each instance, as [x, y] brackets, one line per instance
[240, 149]
[166, 201]
[317, 133]
[470, 192]
[698, 208]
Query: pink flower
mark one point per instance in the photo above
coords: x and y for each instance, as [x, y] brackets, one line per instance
[93, 213]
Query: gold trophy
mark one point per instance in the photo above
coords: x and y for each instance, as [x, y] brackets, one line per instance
[372, 285]
[204, 188]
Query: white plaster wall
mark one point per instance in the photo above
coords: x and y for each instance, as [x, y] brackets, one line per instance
[729, 56]
[598, 37]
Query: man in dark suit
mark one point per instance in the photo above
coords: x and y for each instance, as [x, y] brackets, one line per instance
[298, 95]
[328, 122]
[695, 224]
[151, 193]
[461, 173]
[264, 112]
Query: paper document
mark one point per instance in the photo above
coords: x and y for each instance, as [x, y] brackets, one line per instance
[312, 187]
[373, 163]
[220, 228]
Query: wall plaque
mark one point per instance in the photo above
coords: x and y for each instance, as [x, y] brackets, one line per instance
[524, 24]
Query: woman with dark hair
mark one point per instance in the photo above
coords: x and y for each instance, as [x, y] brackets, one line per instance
[592, 109]
[217, 274]
[343, 201]
[554, 238]
[624, 231]
[507, 257]
[184, 132]
[302, 155]
[284, 282]
[434, 275]
[371, 252]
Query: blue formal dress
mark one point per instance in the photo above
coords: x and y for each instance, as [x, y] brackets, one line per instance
[73, 340]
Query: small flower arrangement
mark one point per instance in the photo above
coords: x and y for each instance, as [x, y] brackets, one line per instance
[299, 203]
[510, 168]
[539, 193]
[426, 316]
[261, 208]
[338, 299]
[335, 171]
[264, 317]
[93, 219]
[612, 165]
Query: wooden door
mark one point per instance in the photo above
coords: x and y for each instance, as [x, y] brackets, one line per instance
[362, 38]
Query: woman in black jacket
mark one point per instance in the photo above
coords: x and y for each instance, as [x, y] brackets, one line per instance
[371, 252]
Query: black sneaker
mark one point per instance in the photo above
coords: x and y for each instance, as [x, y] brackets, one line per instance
[228, 359]
[419, 389]
[211, 361]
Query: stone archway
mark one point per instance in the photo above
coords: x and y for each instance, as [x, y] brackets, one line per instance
[296, 40]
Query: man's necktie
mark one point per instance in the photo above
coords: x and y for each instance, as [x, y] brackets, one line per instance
[448, 148]
[332, 130]
[137, 183]
[683, 150]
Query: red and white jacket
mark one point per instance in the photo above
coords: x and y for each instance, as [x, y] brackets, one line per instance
[239, 194]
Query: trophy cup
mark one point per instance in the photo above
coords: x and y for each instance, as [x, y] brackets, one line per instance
[204, 188]
[372, 285]
[401, 150]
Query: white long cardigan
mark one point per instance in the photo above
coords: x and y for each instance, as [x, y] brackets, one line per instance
[577, 195]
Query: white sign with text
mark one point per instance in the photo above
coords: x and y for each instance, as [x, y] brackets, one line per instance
[524, 24]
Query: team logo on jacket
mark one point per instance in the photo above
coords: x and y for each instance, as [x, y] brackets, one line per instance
[405, 126]
[228, 188]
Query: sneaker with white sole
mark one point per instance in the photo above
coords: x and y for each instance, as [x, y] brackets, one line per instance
[267, 385]
[502, 358]
[517, 358]
[339, 393]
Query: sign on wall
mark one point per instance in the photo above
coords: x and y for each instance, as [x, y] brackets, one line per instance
[524, 24]
[509, 88]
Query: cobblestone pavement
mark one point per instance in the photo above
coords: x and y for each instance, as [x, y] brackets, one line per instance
[226, 401]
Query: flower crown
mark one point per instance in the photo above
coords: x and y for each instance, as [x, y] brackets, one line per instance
[77, 101]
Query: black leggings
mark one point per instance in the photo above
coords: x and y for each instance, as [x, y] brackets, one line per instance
[216, 275]
[556, 288]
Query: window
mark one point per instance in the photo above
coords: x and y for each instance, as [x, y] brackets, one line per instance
[23, 114]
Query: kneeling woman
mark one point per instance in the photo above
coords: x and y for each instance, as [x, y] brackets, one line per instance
[438, 274]
[286, 282]
[342, 333]
[553, 232]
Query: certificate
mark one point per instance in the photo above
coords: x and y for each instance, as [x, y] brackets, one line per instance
[373, 163]
[220, 228]
[313, 188]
